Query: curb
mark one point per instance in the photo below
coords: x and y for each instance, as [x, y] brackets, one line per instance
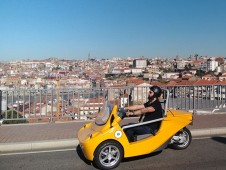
[72, 143]
[208, 132]
[38, 145]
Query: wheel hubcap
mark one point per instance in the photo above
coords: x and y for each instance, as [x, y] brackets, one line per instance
[109, 156]
[183, 138]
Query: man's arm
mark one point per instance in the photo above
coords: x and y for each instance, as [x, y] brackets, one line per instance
[141, 111]
[135, 107]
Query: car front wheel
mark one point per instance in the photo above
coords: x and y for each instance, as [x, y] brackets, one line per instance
[108, 155]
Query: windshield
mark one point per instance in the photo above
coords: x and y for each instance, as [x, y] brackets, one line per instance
[104, 114]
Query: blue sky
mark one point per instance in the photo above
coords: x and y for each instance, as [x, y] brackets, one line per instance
[71, 29]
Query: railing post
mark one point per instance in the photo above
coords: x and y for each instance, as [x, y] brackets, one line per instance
[79, 110]
[51, 116]
[194, 98]
[0, 107]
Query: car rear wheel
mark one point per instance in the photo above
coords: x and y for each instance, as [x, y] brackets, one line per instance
[182, 139]
[108, 155]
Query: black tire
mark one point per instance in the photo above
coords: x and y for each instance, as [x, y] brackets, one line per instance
[108, 155]
[184, 141]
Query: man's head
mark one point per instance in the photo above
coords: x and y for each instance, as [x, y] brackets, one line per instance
[155, 91]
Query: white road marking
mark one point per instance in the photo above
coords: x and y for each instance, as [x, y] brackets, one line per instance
[34, 152]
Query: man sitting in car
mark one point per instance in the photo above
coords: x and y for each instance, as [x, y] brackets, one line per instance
[150, 110]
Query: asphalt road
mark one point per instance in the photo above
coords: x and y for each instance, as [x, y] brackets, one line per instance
[208, 154]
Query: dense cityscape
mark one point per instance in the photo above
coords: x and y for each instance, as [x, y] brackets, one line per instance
[49, 88]
[94, 84]
[43, 74]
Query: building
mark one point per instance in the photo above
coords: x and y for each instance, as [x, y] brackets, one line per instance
[211, 64]
[140, 63]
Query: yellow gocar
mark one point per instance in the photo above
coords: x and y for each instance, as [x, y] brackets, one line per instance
[105, 143]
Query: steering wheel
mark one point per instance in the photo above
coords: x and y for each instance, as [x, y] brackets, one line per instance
[122, 113]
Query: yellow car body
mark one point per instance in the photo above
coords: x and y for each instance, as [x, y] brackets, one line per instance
[92, 135]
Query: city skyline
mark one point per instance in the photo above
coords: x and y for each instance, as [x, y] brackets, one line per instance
[74, 29]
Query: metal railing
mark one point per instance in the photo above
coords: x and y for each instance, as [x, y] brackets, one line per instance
[68, 104]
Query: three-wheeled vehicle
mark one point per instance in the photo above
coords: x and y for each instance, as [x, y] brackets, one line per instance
[105, 143]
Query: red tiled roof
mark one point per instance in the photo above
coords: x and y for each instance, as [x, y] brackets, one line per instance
[176, 80]
[222, 82]
[156, 83]
[136, 81]
[205, 82]
[185, 82]
[171, 83]
[208, 75]
[187, 77]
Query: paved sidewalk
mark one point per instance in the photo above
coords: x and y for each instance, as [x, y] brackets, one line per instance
[64, 135]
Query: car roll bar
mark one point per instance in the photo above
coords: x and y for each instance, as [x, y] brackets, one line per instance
[165, 101]
[141, 123]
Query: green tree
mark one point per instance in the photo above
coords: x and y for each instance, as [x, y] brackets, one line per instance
[166, 70]
[200, 73]
[13, 115]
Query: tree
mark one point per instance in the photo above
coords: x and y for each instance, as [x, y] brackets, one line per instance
[166, 70]
[219, 74]
[70, 68]
[200, 73]
[8, 115]
[186, 67]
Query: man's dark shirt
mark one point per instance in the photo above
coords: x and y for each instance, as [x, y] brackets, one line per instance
[153, 115]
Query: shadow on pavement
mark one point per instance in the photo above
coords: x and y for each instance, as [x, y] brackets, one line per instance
[81, 155]
[141, 157]
[219, 139]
